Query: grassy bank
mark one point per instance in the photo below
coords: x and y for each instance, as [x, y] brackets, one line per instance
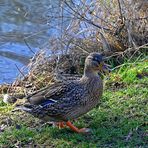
[120, 120]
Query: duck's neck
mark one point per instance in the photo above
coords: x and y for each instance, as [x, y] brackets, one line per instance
[93, 81]
[88, 72]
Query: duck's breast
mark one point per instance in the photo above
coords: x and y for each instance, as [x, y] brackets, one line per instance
[92, 93]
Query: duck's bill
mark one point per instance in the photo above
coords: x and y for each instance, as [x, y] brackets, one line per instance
[105, 69]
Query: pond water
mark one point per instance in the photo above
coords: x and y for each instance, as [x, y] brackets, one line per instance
[23, 21]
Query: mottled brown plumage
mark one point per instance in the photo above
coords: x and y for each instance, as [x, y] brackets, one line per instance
[65, 101]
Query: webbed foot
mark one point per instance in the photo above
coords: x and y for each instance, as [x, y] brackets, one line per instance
[77, 130]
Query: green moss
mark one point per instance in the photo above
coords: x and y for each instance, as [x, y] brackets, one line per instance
[129, 71]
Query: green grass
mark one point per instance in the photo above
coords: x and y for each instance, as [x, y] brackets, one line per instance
[121, 119]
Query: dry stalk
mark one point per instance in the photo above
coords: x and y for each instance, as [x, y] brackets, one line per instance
[115, 28]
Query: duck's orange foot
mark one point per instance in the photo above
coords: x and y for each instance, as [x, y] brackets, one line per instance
[84, 130]
[75, 129]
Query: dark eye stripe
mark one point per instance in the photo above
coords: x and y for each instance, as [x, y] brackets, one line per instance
[97, 60]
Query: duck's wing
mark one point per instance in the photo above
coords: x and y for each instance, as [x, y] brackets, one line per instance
[53, 92]
[57, 106]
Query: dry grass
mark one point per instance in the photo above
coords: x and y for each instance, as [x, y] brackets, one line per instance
[113, 27]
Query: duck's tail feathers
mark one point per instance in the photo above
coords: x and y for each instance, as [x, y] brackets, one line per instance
[24, 108]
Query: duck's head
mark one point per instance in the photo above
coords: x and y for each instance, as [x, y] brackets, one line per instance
[94, 64]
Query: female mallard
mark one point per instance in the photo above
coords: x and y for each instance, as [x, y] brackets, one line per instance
[64, 101]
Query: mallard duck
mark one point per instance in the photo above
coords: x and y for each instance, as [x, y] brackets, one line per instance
[65, 101]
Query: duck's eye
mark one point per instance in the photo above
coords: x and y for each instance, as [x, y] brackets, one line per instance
[96, 60]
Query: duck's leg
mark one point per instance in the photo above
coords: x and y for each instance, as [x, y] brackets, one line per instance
[75, 129]
[60, 124]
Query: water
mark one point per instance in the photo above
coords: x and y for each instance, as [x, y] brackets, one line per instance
[22, 20]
